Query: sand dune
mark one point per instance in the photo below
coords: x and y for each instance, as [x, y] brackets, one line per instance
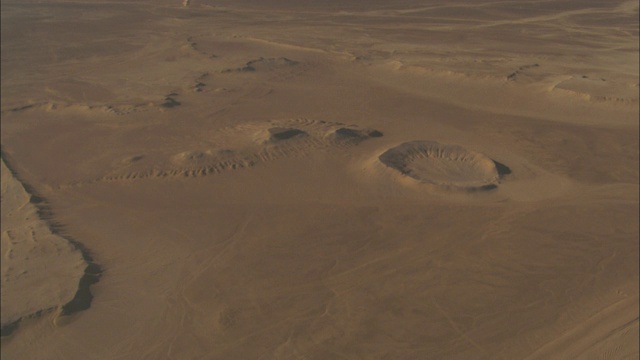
[247, 146]
[599, 89]
[297, 179]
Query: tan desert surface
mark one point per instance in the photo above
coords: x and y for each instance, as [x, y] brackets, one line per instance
[282, 179]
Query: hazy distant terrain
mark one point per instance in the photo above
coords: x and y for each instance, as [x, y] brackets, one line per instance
[320, 179]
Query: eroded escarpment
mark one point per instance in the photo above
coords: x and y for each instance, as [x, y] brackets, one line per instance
[446, 166]
[43, 269]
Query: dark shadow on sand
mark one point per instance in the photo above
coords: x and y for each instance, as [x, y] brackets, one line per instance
[502, 168]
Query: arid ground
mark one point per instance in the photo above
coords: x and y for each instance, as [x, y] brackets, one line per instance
[280, 179]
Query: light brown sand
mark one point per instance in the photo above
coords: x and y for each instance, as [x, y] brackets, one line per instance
[221, 162]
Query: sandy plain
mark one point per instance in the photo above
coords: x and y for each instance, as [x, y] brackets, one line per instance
[294, 180]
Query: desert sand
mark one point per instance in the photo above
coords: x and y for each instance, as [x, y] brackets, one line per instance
[280, 179]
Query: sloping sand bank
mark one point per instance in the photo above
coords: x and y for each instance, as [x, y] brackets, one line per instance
[41, 271]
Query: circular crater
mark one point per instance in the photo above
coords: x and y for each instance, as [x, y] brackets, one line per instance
[447, 166]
